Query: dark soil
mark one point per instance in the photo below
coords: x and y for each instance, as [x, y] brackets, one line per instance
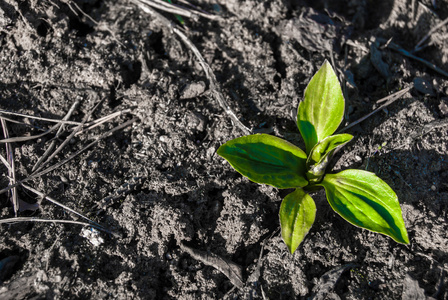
[159, 184]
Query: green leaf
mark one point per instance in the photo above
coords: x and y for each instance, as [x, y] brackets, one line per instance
[322, 109]
[267, 159]
[366, 201]
[297, 214]
[322, 153]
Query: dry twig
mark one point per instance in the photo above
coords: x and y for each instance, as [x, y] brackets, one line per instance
[102, 120]
[11, 169]
[418, 133]
[70, 3]
[57, 165]
[89, 125]
[403, 52]
[37, 118]
[441, 24]
[53, 143]
[175, 9]
[42, 195]
[232, 270]
[214, 85]
[28, 219]
[389, 100]
[67, 140]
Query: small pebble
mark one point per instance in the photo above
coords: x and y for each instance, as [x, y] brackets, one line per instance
[64, 179]
[433, 187]
[423, 86]
[217, 8]
[192, 90]
[93, 236]
[444, 107]
[358, 158]
[210, 152]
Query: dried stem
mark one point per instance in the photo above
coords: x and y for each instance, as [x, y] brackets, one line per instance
[58, 203]
[390, 99]
[67, 140]
[214, 85]
[403, 52]
[58, 133]
[12, 169]
[28, 219]
[5, 112]
[175, 9]
[57, 165]
[434, 29]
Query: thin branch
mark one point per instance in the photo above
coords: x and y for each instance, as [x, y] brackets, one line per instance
[28, 219]
[37, 118]
[425, 62]
[42, 195]
[28, 138]
[214, 85]
[434, 29]
[5, 162]
[69, 2]
[57, 165]
[12, 170]
[102, 120]
[390, 99]
[68, 139]
[176, 9]
[90, 125]
[232, 270]
[20, 122]
[58, 133]
[108, 117]
[420, 132]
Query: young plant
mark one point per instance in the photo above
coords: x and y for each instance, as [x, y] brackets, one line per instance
[358, 196]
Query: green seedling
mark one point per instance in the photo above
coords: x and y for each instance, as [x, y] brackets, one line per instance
[358, 196]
